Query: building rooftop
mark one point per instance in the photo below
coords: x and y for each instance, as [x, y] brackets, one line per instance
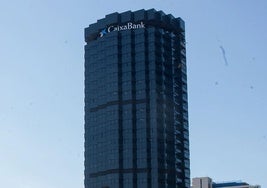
[228, 184]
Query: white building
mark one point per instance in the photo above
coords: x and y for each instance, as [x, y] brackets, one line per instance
[206, 182]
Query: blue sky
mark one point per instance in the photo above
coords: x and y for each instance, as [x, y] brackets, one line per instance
[41, 79]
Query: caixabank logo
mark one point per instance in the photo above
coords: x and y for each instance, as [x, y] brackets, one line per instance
[127, 26]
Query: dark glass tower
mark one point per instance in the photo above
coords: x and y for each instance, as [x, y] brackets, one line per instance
[136, 114]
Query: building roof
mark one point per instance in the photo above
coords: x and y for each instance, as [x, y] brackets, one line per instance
[228, 184]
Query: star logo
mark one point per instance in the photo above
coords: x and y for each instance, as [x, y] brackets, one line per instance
[103, 32]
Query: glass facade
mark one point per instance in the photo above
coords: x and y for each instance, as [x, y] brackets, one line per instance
[136, 115]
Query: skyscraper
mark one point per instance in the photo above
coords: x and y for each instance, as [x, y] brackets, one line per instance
[136, 114]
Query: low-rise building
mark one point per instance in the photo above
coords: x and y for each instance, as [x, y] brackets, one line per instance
[206, 182]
